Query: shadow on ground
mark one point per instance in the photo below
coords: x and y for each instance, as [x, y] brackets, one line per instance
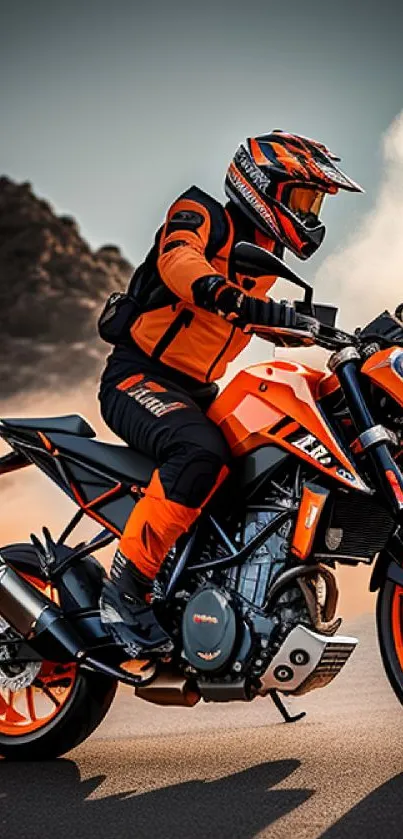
[379, 814]
[50, 799]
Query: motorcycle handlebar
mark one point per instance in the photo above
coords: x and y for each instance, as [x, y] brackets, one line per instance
[328, 337]
[331, 338]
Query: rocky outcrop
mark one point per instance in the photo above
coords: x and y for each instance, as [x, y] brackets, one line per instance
[52, 287]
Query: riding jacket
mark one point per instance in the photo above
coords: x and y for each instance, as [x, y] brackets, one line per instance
[179, 285]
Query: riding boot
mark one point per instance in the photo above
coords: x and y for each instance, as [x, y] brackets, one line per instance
[152, 529]
[126, 612]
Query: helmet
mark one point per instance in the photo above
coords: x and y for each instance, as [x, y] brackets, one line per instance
[279, 181]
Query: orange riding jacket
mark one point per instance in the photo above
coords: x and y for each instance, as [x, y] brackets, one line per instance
[196, 241]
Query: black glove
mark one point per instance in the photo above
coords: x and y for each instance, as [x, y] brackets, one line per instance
[268, 312]
[213, 293]
[282, 315]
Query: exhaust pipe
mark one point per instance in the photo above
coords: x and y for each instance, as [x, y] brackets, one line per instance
[168, 689]
[37, 619]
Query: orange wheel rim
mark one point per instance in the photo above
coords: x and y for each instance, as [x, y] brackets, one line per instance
[397, 622]
[34, 707]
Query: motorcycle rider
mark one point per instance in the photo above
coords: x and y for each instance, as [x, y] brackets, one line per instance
[192, 308]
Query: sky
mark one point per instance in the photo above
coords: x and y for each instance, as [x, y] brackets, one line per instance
[112, 109]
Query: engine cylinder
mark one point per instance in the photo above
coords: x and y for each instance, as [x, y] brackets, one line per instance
[253, 579]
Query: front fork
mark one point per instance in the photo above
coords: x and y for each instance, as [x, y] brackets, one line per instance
[373, 440]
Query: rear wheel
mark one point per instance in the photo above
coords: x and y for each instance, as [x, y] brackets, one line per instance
[43, 722]
[389, 616]
[48, 708]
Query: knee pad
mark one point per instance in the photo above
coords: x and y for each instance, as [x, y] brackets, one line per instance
[190, 479]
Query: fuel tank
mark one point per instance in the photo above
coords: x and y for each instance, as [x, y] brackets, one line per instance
[276, 403]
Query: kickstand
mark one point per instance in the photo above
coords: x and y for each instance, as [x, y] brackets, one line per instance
[283, 710]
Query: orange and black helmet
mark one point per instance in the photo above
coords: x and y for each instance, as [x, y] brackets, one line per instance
[279, 181]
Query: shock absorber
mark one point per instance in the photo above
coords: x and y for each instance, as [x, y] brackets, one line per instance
[373, 439]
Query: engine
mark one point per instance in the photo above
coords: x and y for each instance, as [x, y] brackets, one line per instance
[228, 637]
[236, 639]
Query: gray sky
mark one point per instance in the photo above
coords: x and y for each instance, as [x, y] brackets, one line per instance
[111, 109]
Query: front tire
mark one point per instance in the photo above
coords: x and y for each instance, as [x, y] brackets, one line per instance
[389, 619]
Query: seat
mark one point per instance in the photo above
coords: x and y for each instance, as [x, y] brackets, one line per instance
[69, 424]
[120, 462]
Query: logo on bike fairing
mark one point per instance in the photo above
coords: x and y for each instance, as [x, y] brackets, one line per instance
[314, 448]
[345, 475]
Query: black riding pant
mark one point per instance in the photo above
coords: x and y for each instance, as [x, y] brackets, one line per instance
[160, 412]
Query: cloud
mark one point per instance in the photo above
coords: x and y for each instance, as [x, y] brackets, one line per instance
[366, 276]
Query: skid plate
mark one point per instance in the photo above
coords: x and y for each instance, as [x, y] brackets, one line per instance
[305, 661]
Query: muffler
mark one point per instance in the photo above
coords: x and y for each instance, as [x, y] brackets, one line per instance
[36, 618]
[168, 689]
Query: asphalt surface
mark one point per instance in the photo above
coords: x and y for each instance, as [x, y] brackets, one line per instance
[227, 771]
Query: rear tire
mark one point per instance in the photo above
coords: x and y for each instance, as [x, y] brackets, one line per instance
[85, 709]
[389, 619]
[75, 702]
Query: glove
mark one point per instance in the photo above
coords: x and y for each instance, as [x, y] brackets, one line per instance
[214, 294]
[283, 315]
[268, 312]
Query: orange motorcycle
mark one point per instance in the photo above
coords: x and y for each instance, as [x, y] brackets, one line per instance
[248, 596]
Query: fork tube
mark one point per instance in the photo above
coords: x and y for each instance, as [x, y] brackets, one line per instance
[373, 440]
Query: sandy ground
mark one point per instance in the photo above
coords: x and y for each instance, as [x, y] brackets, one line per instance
[227, 771]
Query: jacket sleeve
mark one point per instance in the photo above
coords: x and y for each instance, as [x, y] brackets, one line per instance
[182, 261]
[186, 271]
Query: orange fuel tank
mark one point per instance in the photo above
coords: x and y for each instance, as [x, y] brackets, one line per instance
[275, 403]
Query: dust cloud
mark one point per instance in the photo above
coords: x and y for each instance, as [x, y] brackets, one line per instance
[366, 276]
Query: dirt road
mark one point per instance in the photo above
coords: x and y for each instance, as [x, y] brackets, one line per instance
[227, 771]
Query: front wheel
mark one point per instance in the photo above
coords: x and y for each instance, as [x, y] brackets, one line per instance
[389, 618]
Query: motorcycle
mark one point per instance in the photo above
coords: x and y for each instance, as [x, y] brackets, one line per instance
[248, 596]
